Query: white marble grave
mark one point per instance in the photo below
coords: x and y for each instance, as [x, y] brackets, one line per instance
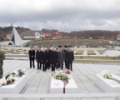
[108, 85]
[57, 86]
[14, 88]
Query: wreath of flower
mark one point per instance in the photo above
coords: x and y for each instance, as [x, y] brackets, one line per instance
[21, 73]
[59, 75]
[7, 76]
[10, 77]
[107, 76]
[8, 82]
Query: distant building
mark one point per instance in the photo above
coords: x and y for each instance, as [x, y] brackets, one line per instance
[57, 35]
[113, 39]
[35, 35]
[101, 37]
[47, 35]
[118, 37]
[66, 37]
[90, 38]
[8, 36]
[41, 35]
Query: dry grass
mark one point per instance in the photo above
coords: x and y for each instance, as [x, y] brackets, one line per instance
[91, 52]
[100, 51]
[79, 52]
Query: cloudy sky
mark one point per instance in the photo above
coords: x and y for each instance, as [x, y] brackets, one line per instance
[63, 15]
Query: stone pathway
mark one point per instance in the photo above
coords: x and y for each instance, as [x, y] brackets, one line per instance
[38, 82]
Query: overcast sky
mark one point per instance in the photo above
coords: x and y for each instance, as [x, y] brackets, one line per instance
[63, 15]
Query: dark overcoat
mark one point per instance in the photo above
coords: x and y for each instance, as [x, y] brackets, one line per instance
[69, 56]
[54, 57]
[39, 55]
[44, 58]
[31, 54]
[61, 57]
[48, 54]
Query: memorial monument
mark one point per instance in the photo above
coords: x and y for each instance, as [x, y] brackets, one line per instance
[15, 38]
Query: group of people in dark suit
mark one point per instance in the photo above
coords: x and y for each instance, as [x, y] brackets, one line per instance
[51, 59]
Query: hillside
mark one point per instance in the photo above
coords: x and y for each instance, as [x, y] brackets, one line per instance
[94, 34]
[8, 30]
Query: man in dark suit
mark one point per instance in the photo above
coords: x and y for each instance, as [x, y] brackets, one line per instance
[69, 58]
[39, 57]
[65, 52]
[61, 58]
[53, 59]
[57, 64]
[48, 53]
[32, 57]
[44, 60]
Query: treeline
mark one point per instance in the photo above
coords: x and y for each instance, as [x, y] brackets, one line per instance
[95, 34]
[8, 30]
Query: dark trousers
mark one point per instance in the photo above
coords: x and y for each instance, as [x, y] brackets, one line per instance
[65, 64]
[32, 63]
[47, 64]
[44, 67]
[69, 65]
[39, 65]
[53, 67]
[61, 66]
[56, 65]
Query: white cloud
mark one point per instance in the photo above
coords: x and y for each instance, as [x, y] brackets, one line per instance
[56, 14]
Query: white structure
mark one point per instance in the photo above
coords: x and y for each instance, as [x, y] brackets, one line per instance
[56, 86]
[14, 88]
[15, 38]
[108, 85]
[37, 35]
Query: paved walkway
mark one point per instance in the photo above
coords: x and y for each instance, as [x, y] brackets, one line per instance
[38, 82]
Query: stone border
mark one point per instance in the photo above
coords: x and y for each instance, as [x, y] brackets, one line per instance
[59, 95]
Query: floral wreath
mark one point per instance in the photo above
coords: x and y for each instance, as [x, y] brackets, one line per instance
[10, 78]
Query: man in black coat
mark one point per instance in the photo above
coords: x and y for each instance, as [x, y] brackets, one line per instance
[57, 64]
[65, 51]
[69, 58]
[48, 53]
[61, 58]
[39, 57]
[44, 60]
[53, 59]
[32, 57]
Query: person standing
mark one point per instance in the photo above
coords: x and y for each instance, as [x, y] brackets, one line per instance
[2, 57]
[44, 60]
[31, 57]
[53, 59]
[61, 58]
[65, 51]
[48, 57]
[69, 58]
[39, 57]
[56, 63]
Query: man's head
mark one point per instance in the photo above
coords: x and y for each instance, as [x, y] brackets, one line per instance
[48, 48]
[31, 47]
[69, 49]
[53, 49]
[61, 48]
[39, 48]
[43, 50]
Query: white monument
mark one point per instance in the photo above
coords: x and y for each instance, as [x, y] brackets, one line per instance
[15, 38]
